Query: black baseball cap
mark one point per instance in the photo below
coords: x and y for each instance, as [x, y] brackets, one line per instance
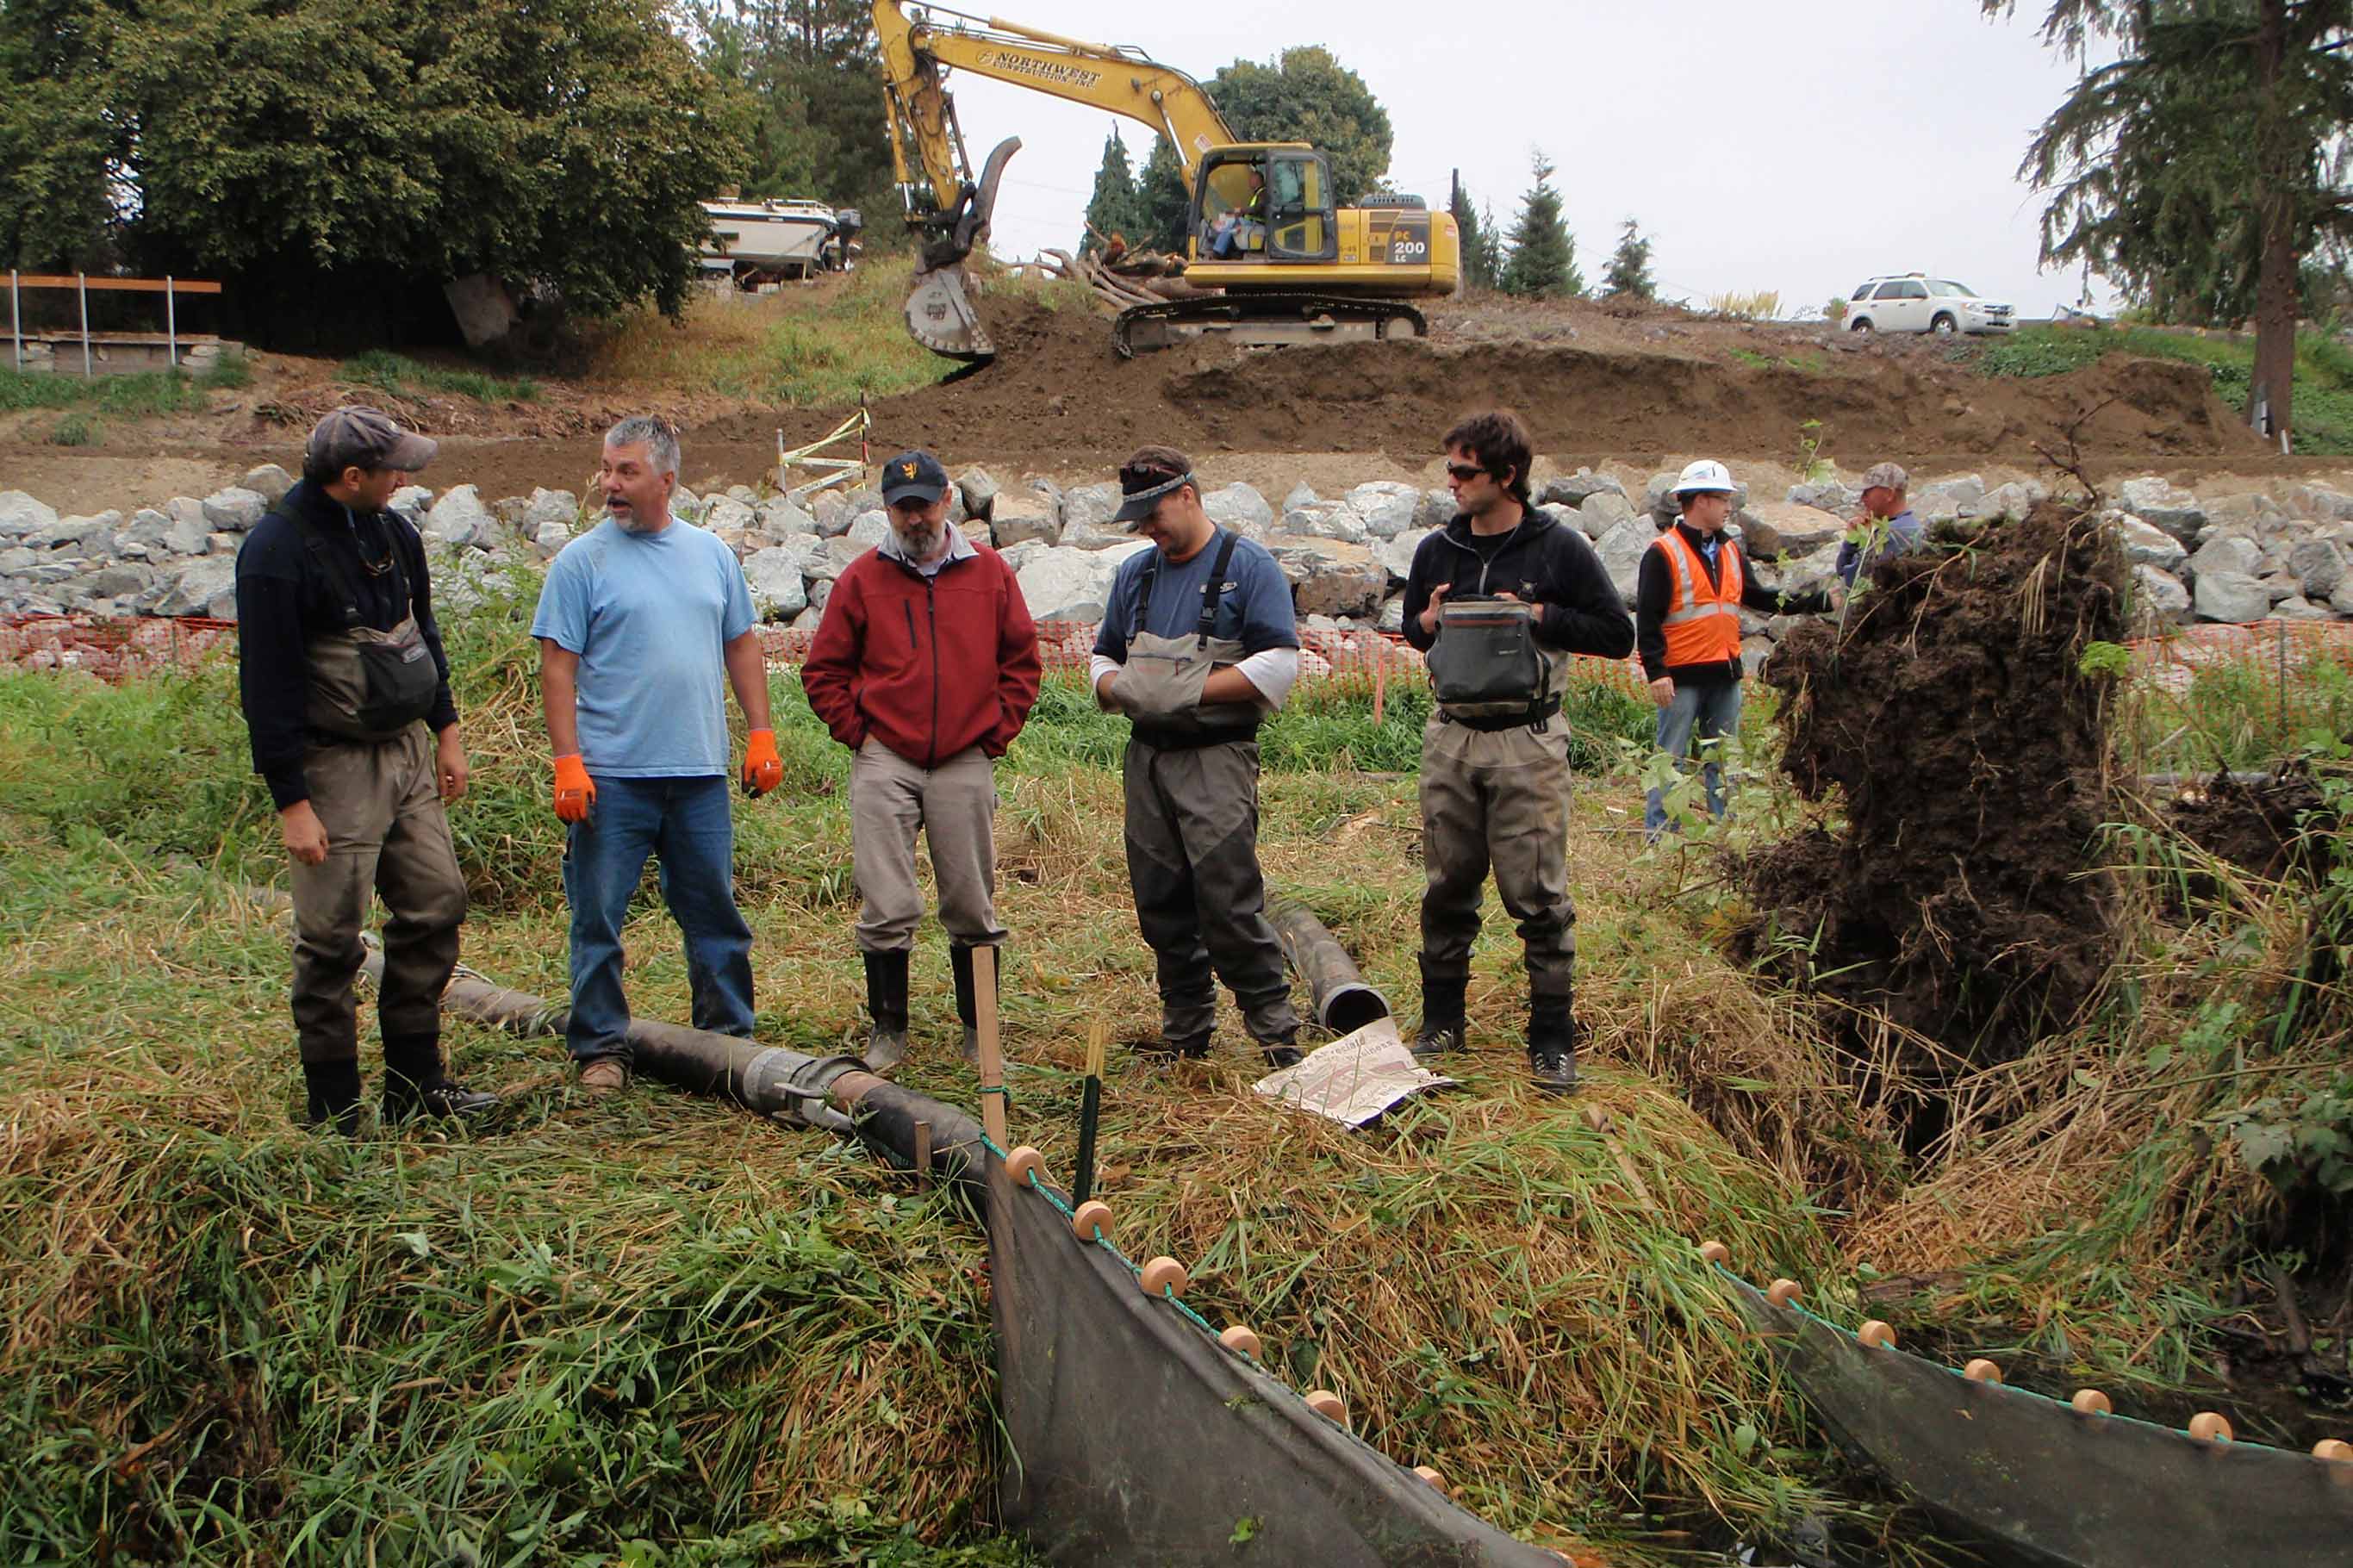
[913, 476]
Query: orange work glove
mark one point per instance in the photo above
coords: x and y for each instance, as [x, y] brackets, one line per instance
[763, 769]
[575, 792]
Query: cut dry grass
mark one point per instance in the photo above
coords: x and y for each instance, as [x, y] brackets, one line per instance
[600, 1323]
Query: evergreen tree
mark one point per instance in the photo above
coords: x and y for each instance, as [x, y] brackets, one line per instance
[1479, 267]
[1164, 201]
[2204, 164]
[808, 67]
[1630, 266]
[1543, 260]
[1116, 207]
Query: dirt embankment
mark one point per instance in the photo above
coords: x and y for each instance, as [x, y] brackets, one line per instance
[1597, 385]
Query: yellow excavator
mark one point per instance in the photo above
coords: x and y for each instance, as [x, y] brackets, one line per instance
[1286, 263]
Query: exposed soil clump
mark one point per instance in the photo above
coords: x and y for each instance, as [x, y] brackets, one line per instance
[2256, 823]
[1968, 749]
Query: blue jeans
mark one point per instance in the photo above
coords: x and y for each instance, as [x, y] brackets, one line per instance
[1715, 713]
[684, 824]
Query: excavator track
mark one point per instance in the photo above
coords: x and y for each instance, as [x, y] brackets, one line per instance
[1264, 320]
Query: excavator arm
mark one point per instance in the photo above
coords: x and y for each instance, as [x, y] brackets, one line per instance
[947, 205]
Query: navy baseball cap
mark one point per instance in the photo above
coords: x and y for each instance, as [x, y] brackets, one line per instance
[913, 476]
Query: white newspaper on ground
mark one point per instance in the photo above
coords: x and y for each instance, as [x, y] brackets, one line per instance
[1353, 1078]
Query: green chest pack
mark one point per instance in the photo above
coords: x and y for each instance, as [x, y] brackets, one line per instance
[367, 684]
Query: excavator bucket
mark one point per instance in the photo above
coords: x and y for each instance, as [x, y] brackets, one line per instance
[940, 313]
[941, 317]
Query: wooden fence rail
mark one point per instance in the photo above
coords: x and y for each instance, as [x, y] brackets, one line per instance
[82, 283]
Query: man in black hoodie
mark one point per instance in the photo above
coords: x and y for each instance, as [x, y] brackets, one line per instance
[1523, 591]
[339, 660]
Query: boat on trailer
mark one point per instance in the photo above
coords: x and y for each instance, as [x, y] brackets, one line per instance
[778, 239]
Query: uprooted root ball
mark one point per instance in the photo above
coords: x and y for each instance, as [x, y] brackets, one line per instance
[1967, 747]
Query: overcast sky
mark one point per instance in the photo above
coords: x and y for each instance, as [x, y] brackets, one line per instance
[1796, 147]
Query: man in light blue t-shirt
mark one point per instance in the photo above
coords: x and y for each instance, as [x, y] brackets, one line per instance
[637, 618]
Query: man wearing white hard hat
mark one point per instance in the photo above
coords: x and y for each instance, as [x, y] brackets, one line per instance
[1687, 603]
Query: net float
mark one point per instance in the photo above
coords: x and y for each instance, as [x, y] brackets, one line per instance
[1715, 1252]
[1164, 1277]
[1781, 1292]
[2092, 1401]
[1876, 1334]
[1025, 1163]
[1982, 1371]
[1329, 1406]
[1093, 1220]
[2209, 1427]
[1243, 1340]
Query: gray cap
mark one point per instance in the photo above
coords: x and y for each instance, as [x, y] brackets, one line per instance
[359, 437]
[1885, 475]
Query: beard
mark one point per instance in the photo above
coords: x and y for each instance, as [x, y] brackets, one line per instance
[625, 517]
[920, 541]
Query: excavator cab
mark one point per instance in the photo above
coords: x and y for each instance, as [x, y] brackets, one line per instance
[1264, 205]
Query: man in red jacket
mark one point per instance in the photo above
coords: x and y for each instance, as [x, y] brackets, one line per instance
[925, 666]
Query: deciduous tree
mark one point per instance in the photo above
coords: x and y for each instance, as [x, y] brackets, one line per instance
[1308, 95]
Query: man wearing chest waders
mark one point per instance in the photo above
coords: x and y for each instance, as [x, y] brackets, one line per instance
[1496, 598]
[1197, 644]
[346, 693]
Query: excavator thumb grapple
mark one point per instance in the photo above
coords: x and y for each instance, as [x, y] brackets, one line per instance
[940, 311]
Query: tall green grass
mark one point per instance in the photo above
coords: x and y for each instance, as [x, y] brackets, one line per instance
[406, 377]
[138, 394]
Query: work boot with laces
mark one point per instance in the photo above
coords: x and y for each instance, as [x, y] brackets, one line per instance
[1553, 1035]
[416, 1083]
[886, 1003]
[1442, 1015]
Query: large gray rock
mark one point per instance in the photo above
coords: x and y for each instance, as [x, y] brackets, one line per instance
[2318, 566]
[2015, 500]
[2227, 554]
[1333, 579]
[1386, 506]
[832, 511]
[1239, 509]
[1602, 510]
[2157, 503]
[269, 481]
[1396, 554]
[1302, 494]
[1065, 583]
[728, 517]
[2147, 545]
[185, 534]
[547, 506]
[1621, 550]
[2296, 608]
[1093, 504]
[15, 559]
[1392, 617]
[1026, 515]
[205, 588]
[120, 580]
[548, 542]
[72, 535]
[1831, 495]
[459, 518]
[780, 517]
[1437, 509]
[1334, 520]
[2245, 513]
[867, 530]
[1800, 528]
[1573, 491]
[412, 501]
[2232, 596]
[2321, 504]
[980, 488]
[773, 575]
[233, 510]
[20, 514]
[1942, 502]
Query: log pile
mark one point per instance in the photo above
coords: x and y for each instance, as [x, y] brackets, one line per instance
[1124, 278]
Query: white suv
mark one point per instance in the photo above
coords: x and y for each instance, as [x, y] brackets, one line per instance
[1916, 302]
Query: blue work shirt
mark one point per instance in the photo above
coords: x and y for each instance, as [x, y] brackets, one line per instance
[650, 616]
[1902, 534]
[1254, 611]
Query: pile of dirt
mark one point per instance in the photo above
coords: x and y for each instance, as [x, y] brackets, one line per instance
[2259, 823]
[1969, 753]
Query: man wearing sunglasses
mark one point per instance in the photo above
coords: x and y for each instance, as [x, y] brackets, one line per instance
[1496, 598]
[1197, 644]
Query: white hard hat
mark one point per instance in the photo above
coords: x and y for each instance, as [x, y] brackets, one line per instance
[1706, 474]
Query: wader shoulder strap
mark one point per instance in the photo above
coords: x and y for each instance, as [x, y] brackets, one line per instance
[337, 571]
[1212, 592]
[1214, 589]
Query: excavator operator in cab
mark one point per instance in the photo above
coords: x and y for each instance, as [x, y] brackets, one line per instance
[1241, 227]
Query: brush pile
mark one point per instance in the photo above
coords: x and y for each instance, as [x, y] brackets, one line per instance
[1951, 719]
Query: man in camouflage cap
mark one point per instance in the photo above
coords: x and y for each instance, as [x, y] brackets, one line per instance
[1885, 527]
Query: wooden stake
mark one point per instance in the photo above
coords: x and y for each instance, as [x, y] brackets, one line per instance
[923, 1154]
[992, 1060]
[1090, 1110]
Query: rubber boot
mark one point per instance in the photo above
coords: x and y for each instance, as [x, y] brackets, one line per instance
[1553, 1038]
[334, 1097]
[968, 1000]
[416, 1082]
[1442, 1015]
[886, 1002]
